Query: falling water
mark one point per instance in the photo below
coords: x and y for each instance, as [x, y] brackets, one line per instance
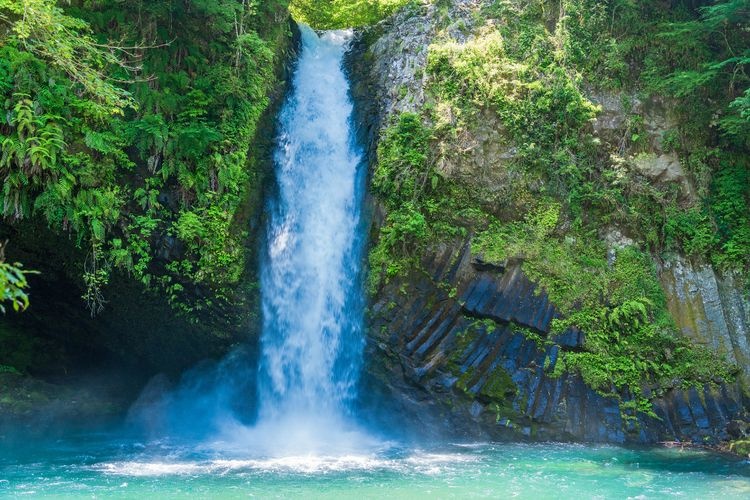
[311, 288]
[310, 274]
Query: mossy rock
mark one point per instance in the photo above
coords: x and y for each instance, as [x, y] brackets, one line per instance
[499, 386]
[740, 447]
[465, 379]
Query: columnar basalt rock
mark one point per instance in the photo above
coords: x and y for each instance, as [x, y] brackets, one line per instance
[710, 309]
[484, 359]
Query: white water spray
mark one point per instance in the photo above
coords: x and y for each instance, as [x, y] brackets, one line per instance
[310, 276]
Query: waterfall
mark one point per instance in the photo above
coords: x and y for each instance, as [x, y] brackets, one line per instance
[311, 289]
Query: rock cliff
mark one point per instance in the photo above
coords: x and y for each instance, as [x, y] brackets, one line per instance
[466, 346]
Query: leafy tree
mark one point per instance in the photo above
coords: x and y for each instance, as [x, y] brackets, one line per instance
[722, 31]
[112, 141]
[43, 29]
[332, 14]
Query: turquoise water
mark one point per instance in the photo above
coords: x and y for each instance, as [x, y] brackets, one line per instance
[104, 468]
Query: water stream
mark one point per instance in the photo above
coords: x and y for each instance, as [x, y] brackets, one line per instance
[311, 272]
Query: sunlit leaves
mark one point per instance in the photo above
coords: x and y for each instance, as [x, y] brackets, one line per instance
[41, 27]
[333, 14]
[13, 284]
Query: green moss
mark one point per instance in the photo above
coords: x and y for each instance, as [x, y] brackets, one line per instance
[463, 340]
[465, 379]
[560, 367]
[529, 334]
[498, 390]
[498, 387]
[740, 447]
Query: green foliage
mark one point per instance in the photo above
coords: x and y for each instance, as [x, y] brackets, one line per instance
[539, 105]
[13, 284]
[422, 205]
[720, 42]
[691, 51]
[208, 237]
[42, 28]
[335, 14]
[719, 228]
[403, 172]
[690, 230]
[96, 277]
[630, 339]
[730, 204]
[401, 180]
[115, 143]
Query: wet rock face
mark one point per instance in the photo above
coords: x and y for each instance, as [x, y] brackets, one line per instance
[616, 108]
[396, 56]
[479, 156]
[388, 65]
[479, 361]
[664, 168]
[710, 309]
[622, 117]
[398, 59]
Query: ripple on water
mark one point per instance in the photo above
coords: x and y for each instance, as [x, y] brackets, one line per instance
[460, 471]
[422, 463]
